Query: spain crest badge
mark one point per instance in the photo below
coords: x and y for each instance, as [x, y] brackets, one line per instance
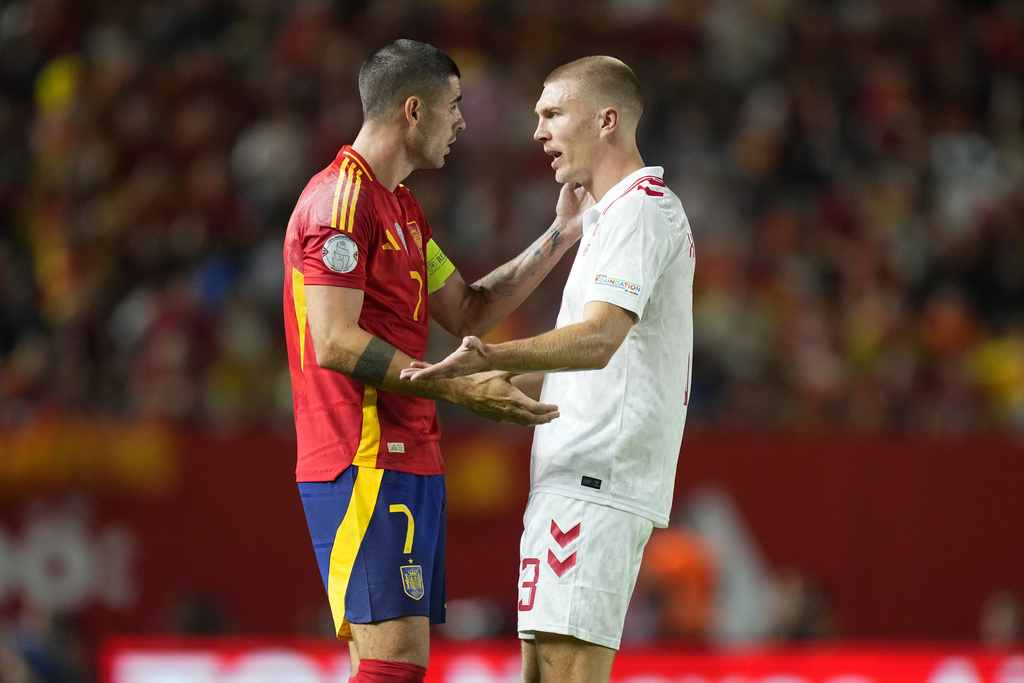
[412, 581]
[417, 237]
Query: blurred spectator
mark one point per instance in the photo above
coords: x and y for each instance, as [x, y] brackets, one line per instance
[43, 647]
[197, 614]
[1001, 620]
[799, 609]
[676, 587]
[854, 173]
[14, 666]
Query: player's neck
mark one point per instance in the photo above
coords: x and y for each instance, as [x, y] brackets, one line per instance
[384, 153]
[615, 166]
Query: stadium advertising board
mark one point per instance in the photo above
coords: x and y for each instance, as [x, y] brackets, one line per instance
[266, 661]
[130, 525]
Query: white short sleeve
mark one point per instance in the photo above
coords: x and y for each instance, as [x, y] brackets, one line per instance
[635, 246]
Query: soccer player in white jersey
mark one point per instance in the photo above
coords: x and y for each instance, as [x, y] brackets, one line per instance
[601, 476]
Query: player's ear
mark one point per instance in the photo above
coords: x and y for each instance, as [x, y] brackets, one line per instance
[412, 110]
[608, 120]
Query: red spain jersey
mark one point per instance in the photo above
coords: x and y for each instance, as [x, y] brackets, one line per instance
[348, 230]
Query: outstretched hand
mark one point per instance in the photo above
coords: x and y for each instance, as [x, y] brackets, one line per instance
[493, 396]
[468, 359]
[489, 394]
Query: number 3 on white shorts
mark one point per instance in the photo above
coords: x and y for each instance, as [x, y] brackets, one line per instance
[531, 585]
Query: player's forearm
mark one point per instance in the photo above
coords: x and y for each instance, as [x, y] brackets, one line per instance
[486, 394]
[494, 296]
[582, 346]
[449, 390]
[370, 360]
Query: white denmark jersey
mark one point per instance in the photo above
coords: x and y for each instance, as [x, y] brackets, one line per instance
[617, 440]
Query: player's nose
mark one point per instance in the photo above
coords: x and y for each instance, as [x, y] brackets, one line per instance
[540, 135]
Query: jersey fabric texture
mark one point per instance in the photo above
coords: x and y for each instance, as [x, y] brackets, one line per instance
[348, 230]
[578, 567]
[379, 539]
[617, 440]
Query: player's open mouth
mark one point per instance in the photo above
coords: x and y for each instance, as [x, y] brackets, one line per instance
[557, 156]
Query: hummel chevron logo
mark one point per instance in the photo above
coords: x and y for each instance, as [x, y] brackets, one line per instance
[560, 567]
[564, 538]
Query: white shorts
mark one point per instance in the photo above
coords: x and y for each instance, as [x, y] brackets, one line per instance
[578, 567]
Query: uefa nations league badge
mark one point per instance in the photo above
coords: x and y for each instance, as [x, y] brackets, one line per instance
[341, 254]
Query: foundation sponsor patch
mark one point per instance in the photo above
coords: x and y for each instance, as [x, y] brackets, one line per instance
[615, 283]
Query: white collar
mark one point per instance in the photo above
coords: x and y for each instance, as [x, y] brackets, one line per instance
[620, 187]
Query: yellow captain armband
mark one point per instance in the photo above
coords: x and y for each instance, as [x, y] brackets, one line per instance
[439, 267]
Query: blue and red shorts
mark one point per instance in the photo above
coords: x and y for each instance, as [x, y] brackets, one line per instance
[379, 539]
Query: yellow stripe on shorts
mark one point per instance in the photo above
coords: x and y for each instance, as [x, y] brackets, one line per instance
[369, 441]
[347, 541]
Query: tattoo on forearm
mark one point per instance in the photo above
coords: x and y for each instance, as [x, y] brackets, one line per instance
[372, 366]
[499, 282]
[553, 234]
[556, 239]
[505, 280]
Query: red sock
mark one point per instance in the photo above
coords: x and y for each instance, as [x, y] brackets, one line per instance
[381, 671]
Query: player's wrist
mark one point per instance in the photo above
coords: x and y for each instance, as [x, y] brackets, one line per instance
[459, 391]
[495, 356]
[559, 227]
[564, 232]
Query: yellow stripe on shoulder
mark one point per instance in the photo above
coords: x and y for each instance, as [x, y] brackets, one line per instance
[346, 193]
[342, 172]
[349, 217]
[356, 159]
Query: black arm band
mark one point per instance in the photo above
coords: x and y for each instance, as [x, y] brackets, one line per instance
[372, 366]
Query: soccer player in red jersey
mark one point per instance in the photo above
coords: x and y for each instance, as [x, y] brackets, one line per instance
[363, 275]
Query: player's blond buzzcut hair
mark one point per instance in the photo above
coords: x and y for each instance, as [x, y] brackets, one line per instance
[604, 81]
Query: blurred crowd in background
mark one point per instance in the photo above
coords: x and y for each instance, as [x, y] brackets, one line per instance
[853, 172]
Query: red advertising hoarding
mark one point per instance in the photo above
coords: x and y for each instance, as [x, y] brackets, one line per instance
[125, 523]
[269, 661]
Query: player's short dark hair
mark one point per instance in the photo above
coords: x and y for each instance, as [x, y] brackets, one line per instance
[604, 81]
[399, 70]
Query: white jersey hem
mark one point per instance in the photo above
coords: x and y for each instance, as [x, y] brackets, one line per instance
[604, 641]
[658, 519]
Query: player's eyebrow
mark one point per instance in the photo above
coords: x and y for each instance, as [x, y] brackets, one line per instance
[457, 99]
[548, 110]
